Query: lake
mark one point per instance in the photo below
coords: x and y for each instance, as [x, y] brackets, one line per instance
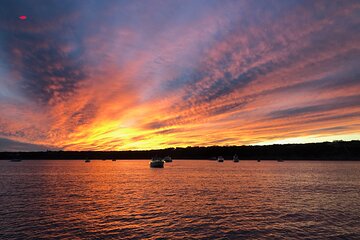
[187, 199]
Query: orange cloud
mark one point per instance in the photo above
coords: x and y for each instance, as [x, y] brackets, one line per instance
[221, 74]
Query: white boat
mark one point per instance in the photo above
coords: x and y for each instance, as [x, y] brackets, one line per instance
[167, 159]
[157, 162]
[220, 159]
[235, 158]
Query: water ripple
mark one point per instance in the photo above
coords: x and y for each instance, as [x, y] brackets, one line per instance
[185, 200]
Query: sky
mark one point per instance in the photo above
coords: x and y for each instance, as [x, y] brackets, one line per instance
[126, 75]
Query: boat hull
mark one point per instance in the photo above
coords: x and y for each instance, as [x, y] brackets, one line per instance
[167, 159]
[157, 164]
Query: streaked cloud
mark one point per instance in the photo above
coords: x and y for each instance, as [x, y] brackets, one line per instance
[8, 145]
[111, 75]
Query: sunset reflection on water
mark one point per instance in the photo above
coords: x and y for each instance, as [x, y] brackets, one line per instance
[187, 199]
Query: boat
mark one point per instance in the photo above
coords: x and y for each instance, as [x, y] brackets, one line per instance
[16, 160]
[157, 162]
[87, 160]
[220, 159]
[235, 158]
[167, 159]
[259, 160]
[113, 160]
[280, 160]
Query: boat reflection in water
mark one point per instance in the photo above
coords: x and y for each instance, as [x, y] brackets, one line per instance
[157, 162]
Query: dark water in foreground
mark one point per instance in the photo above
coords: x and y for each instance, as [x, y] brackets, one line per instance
[185, 200]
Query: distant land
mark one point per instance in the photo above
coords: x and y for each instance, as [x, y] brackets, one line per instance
[337, 150]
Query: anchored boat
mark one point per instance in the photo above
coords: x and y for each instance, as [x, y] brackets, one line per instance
[157, 162]
[16, 160]
[236, 158]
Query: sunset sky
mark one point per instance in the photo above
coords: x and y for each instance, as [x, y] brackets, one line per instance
[118, 75]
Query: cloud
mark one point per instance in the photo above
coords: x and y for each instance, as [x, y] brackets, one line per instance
[43, 54]
[14, 146]
[339, 103]
[133, 75]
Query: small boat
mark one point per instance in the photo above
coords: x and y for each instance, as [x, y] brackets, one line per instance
[157, 162]
[235, 158]
[280, 160]
[16, 160]
[87, 160]
[259, 160]
[167, 159]
[220, 159]
[113, 160]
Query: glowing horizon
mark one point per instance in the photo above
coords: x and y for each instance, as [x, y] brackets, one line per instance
[110, 75]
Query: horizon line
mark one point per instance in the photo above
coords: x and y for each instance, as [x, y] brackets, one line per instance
[159, 149]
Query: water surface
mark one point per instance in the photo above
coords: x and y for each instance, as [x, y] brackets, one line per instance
[185, 200]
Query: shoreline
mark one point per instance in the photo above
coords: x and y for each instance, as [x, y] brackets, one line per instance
[329, 151]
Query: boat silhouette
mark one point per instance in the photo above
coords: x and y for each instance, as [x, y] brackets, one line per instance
[157, 162]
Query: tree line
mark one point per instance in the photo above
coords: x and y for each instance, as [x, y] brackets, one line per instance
[337, 150]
